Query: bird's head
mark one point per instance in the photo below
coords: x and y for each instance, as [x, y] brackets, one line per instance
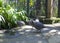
[36, 20]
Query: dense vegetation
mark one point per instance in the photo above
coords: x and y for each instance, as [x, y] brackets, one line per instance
[9, 16]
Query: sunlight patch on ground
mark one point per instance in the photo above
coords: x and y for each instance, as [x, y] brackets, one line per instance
[58, 33]
[1, 40]
[57, 24]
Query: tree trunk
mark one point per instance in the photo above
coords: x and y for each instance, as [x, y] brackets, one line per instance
[46, 8]
[38, 7]
[28, 8]
[50, 8]
[58, 8]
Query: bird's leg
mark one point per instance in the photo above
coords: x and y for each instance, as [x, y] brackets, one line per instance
[34, 29]
[39, 31]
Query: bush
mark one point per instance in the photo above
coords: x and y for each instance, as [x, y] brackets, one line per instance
[9, 16]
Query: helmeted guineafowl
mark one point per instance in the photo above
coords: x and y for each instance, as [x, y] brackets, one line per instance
[37, 24]
[20, 23]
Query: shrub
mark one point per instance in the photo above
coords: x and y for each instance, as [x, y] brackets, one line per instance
[9, 16]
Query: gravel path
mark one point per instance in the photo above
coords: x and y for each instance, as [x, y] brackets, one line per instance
[48, 35]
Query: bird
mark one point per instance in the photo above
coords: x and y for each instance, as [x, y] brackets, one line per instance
[20, 23]
[37, 24]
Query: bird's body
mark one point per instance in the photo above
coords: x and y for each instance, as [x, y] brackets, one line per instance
[37, 24]
[20, 23]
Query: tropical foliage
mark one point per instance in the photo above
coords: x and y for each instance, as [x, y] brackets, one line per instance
[9, 16]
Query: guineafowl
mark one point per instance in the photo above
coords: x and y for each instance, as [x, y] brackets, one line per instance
[20, 23]
[37, 24]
